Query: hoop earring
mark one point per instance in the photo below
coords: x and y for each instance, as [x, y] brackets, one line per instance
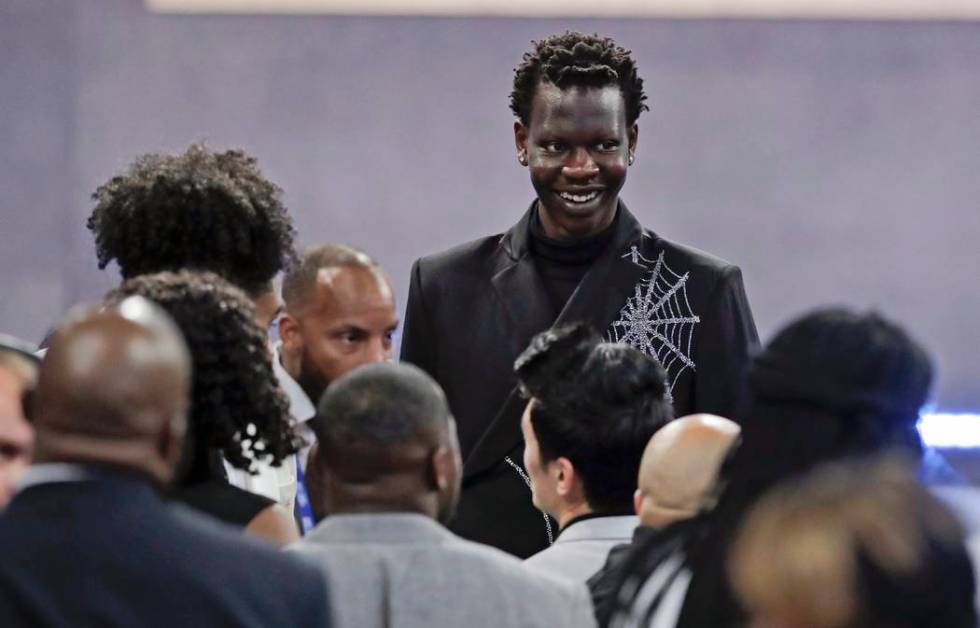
[631, 159]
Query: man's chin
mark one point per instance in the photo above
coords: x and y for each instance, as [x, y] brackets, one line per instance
[580, 220]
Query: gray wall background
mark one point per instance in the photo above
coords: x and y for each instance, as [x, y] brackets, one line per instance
[836, 162]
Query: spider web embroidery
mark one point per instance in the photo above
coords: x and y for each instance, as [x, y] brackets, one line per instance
[658, 319]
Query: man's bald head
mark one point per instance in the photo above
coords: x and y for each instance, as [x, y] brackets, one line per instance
[340, 314]
[113, 388]
[300, 283]
[679, 471]
[388, 443]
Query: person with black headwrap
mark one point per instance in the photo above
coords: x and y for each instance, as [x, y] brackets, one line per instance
[831, 385]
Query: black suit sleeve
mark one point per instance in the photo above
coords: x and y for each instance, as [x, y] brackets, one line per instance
[728, 336]
[418, 344]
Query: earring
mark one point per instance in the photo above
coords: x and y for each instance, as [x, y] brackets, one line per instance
[631, 159]
[522, 158]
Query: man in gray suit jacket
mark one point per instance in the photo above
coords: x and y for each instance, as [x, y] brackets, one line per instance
[389, 465]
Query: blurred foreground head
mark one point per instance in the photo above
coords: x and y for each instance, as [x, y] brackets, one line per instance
[854, 545]
[18, 375]
[113, 389]
[387, 443]
[679, 473]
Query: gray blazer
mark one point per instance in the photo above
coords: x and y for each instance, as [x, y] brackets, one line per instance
[405, 570]
[582, 548]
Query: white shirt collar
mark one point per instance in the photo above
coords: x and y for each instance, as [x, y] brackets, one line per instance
[613, 528]
[300, 406]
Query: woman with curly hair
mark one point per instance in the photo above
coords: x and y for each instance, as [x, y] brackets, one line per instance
[199, 210]
[237, 410]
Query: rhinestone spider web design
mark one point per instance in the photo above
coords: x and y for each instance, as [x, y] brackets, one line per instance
[657, 319]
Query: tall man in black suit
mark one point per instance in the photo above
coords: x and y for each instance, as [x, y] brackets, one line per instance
[577, 254]
[88, 541]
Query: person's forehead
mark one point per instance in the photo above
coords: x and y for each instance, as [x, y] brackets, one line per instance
[347, 290]
[553, 105]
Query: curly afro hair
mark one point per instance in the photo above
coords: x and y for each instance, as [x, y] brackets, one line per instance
[236, 404]
[577, 60]
[199, 210]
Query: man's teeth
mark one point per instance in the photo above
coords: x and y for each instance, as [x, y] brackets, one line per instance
[579, 198]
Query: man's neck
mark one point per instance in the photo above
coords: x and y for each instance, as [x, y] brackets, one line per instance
[381, 507]
[572, 512]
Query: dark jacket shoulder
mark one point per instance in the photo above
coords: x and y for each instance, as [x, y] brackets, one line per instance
[688, 257]
[459, 261]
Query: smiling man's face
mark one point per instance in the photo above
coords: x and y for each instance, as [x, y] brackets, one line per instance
[577, 144]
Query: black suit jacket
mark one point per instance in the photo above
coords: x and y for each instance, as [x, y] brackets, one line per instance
[109, 553]
[474, 308]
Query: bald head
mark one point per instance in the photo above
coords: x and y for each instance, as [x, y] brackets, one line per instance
[317, 265]
[679, 471]
[113, 388]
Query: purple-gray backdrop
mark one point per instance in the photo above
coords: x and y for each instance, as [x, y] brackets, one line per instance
[835, 162]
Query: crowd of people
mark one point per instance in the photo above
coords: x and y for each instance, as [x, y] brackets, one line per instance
[582, 429]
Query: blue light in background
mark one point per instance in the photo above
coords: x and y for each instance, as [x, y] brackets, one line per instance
[950, 429]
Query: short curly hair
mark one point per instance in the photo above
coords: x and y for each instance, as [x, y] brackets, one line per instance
[237, 406]
[576, 59]
[200, 210]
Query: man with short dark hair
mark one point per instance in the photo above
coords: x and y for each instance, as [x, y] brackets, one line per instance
[390, 468]
[88, 540]
[339, 314]
[593, 407]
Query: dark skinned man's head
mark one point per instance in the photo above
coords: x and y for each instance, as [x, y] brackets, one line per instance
[387, 443]
[340, 314]
[576, 98]
[113, 389]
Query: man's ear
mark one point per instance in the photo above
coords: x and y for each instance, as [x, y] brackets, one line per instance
[441, 468]
[632, 136]
[566, 478]
[290, 333]
[520, 137]
[637, 502]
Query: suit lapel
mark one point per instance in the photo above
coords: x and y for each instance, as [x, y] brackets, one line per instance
[519, 287]
[597, 300]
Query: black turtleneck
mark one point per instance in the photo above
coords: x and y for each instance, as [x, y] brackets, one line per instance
[563, 263]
